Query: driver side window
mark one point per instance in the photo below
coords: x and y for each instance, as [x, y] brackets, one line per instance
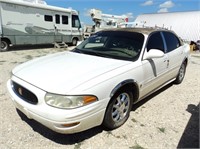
[155, 42]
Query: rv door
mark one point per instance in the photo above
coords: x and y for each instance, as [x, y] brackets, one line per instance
[0, 27]
[62, 27]
[76, 29]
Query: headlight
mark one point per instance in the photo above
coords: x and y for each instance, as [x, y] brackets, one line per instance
[60, 101]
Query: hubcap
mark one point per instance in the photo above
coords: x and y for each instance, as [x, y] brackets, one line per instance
[121, 106]
[74, 42]
[3, 45]
[182, 72]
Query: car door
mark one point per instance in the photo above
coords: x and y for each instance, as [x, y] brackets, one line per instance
[155, 69]
[175, 52]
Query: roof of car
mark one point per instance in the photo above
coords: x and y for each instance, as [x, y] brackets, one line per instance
[138, 30]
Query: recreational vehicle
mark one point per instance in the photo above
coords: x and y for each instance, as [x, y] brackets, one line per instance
[25, 22]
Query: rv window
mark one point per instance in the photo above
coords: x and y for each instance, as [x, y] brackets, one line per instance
[57, 19]
[75, 21]
[48, 18]
[64, 19]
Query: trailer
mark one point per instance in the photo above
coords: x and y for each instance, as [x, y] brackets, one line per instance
[24, 22]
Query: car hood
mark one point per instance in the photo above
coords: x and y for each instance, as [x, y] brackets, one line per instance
[62, 72]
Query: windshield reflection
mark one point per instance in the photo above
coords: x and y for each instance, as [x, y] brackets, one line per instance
[113, 44]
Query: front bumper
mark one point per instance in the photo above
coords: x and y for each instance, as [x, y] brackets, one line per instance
[64, 121]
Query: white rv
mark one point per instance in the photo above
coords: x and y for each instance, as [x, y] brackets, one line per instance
[34, 22]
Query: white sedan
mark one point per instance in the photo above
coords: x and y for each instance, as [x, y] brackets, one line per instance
[97, 82]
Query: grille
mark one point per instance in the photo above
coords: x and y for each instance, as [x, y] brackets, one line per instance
[24, 94]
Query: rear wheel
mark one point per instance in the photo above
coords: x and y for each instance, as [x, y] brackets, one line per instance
[181, 74]
[118, 109]
[4, 46]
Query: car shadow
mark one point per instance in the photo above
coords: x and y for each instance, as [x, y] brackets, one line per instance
[65, 139]
[143, 101]
[30, 47]
[190, 136]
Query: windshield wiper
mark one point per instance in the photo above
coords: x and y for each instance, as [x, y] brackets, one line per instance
[97, 54]
[77, 50]
[90, 52]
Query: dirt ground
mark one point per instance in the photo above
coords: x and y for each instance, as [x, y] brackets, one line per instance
[167, 119]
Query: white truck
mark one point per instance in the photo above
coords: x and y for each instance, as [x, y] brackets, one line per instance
[103, 21]
[25, 22]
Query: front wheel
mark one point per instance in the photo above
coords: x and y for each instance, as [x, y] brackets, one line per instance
[118, 109]
[181, 73]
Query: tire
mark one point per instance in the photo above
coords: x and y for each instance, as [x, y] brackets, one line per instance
[118, 109]
[181, 74]
[4, 46]
[74, 42]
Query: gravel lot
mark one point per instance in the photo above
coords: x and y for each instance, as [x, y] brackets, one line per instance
[167, 119]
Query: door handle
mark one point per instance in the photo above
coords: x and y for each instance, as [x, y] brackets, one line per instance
[167, 62]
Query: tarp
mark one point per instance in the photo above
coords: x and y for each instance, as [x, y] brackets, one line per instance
[33, 1]
[185, 24]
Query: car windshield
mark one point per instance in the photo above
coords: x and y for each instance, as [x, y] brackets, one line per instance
[113, 44]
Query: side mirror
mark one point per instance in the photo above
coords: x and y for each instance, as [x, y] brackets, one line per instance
[154, 53]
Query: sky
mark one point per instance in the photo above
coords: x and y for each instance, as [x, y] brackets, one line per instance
[130, 8]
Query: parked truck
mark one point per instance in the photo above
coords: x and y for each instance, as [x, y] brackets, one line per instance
[103, 21]
[24, 22]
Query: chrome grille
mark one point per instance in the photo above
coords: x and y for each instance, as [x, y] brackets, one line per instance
[24, 94]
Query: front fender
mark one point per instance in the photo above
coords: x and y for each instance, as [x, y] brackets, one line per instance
[131, 84]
